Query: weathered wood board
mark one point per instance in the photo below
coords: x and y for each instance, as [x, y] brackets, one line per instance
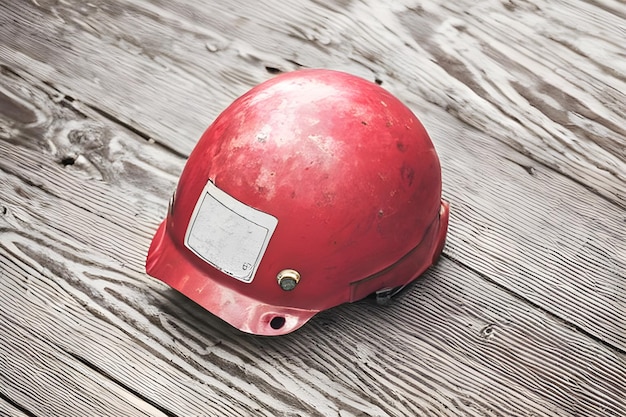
[511, 238]
[455, 344]
[9, 408]
[546, 77]
[524, 315]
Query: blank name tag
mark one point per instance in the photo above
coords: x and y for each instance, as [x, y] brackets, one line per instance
[228, 234]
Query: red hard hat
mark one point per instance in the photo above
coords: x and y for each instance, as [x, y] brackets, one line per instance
[313, 189]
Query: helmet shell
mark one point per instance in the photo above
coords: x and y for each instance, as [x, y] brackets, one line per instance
[314, 171]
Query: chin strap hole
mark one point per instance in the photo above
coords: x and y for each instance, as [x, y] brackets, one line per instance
[277, 322]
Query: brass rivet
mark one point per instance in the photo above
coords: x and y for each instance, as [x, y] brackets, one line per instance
[288, 279]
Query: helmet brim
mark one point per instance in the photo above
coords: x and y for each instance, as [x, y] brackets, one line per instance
[167, 263]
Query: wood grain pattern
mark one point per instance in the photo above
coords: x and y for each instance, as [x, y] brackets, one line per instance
[562, 248]
[544, 77]
[9, 409]
[71, 252]
[453, 345]
[100, 102]
[531, 230]
[57, 384]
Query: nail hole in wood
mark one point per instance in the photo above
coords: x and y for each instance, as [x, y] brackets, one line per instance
[68, 160]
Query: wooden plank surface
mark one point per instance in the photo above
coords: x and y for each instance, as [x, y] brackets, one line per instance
[545, 77]
[9, 408]
[453, 345]
[548, 239]
[523, 316]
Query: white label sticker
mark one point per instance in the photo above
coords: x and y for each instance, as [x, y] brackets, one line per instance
[228, 234]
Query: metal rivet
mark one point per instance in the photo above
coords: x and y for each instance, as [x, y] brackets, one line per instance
[288, 279]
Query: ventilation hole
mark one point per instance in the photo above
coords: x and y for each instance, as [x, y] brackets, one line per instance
[277, 322]
[273, 70]
[68, 160]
